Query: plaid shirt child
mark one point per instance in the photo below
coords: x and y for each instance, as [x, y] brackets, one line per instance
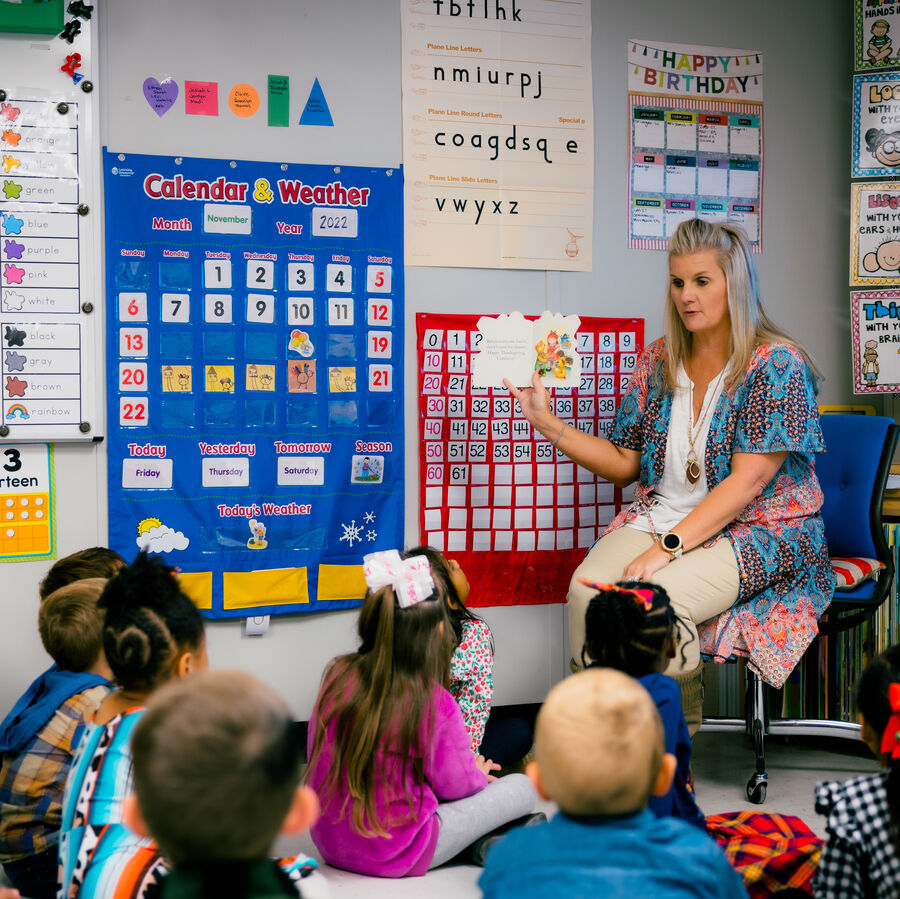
[32, 782]
[859, 858]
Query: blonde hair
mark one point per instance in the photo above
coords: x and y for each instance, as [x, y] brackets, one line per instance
[599, 743]
[751, 326]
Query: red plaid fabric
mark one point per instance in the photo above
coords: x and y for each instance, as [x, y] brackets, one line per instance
[770, 852]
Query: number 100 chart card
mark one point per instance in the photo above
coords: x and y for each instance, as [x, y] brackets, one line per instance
[255, 334]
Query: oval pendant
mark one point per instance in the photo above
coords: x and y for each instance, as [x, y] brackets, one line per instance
[693, 471]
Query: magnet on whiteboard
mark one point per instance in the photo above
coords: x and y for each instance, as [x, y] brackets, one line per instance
[256, 626]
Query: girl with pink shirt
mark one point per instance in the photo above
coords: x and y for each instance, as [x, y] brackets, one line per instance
[390, 758]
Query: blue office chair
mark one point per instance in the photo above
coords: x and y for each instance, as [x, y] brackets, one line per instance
[853, 472]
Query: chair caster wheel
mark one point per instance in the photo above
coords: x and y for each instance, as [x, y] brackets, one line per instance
[756, 789]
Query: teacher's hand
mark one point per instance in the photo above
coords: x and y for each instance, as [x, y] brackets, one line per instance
[535, 400]
[646, 564]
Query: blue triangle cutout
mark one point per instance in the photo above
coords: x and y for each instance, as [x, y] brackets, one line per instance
[316, 111]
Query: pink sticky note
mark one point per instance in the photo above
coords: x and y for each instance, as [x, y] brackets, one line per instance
[201, 97]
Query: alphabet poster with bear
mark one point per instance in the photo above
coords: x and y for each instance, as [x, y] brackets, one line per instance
[876, 125]
[255, 334]
[875, 233]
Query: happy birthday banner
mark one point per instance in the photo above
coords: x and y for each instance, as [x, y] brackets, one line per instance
[695, 130]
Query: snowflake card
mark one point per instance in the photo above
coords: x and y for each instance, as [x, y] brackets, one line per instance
[513, 347]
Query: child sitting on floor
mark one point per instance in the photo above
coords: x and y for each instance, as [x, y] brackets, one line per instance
[152, 634]
[39, 737]
[600, 755]
[217, 761]
[861, 857]
[503, 739]
[632, 627]
[95, 561]
[401, 789]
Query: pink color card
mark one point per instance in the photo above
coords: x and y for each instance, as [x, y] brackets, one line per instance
[201, 97]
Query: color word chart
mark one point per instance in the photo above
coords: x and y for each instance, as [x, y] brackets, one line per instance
[494, 494]
[698, 160]
[27, 531]
[255, 334]
[45, 335]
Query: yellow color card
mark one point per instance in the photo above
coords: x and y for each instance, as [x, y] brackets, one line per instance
[341, 582]
[274, 587]
[197, 585]
[219, 378]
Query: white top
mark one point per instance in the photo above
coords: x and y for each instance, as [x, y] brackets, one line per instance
[674, 495]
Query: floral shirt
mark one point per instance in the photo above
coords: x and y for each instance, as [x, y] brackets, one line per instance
[472, 677]
[779, 537]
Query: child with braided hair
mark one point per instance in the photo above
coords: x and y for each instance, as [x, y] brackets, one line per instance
[632, 627]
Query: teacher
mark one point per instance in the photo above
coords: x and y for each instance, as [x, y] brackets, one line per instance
[718, 431]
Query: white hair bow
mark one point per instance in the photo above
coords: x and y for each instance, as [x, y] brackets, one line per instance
[410, 578]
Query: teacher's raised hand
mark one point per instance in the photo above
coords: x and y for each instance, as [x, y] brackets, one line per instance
[535, 401]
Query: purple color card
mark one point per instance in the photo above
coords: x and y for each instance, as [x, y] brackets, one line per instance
[161, 95]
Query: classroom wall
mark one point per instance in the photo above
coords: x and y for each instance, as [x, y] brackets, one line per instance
[353, 47]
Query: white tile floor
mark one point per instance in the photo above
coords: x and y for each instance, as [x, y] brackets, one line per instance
[722, 764]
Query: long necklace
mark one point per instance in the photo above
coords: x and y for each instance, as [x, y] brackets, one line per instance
[692, 469]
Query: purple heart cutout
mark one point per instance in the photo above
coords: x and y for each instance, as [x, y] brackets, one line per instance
[160, 95]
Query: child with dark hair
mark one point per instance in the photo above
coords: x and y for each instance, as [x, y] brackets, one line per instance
[96, 561]
[390, 758]
[39, 737]
[861, 857]
[632, 627]
[153, 633]
[217, 761]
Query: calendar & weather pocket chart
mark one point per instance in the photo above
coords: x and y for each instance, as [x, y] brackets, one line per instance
[255, 371]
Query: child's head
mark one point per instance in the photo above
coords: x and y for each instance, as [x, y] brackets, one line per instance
[98, 561]
[381, 693]
[153, 632]
[451, 585]
[873, 699]
[217, 761]
[71, 624]
[630, 626]
[599, 747]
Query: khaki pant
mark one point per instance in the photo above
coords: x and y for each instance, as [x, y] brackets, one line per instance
[701, 584]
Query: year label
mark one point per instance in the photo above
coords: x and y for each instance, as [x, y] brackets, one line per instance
[334, 222]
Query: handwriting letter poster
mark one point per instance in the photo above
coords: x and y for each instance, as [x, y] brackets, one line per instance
[696, 139]
[255, 334]
[498, 133]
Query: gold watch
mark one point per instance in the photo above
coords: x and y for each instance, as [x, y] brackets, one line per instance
[671, 543]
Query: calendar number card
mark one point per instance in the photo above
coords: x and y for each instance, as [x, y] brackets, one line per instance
[254, 320]
[494, 494]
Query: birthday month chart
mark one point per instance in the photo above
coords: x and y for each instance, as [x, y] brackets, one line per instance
[45, 331]
[255, 334]
[494, 494]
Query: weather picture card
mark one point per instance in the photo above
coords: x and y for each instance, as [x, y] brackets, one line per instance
[696, 139]
[877, 38]
[876, 340]
[516, 513]
[47, 332]
[254, 363]
[876, 125]
[513, 347]
[875, 233]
